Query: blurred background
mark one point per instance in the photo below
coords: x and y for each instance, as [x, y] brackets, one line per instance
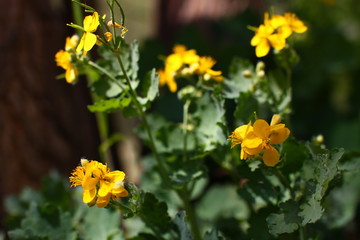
[45, 123]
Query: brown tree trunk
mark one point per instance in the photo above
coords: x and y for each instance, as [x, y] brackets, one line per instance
[44, 123]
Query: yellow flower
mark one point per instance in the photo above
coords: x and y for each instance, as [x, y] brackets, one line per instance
[71, 42]
[265, 38]
[100, 185]
[184, 62]
[204, 67]
[294, 23]
[275, 31]
[63, 59]
[88, 39]
[260, 137]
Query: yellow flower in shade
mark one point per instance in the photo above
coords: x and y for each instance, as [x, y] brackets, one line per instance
[204, 67]
[184, 62]
[99, 184]
[294, 23]
[71, 42]
[88, 39]
[63, 59]
[167, 77]
[259, 138]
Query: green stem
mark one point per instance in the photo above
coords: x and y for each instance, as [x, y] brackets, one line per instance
[185, 128]
[302, 233]
[191, 216]
[162, 168]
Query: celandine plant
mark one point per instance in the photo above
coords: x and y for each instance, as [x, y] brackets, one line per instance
[276, 187]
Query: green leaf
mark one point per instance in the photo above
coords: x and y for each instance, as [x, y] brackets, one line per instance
[278, 86]
[106, 88]
[246, 105]
[169, 137]
[211, 210]
[154, 213]
[110, 105]
[101, 224]
[311, 211]
[258, 226]
[210, 121]
[341, 203]
[186, 172]
[241, 78]
[134, 59]
[149, 87]
[258, 188]
[287, 221]
[318, 173]
[180, 222]
[47, 222]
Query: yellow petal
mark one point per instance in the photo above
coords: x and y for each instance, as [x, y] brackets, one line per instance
[277, 41]
[89, 195]
[71, 74]
[71, 42]
[284, 31]
[278, 21]
[276, 118]
[261, 129]
[179, 48]
[89, 41]
[263, 48]
[279, 136]
[243, 154]
[108, 36]
[190, 57]
[89, 182]
[81, 44]
[255, 40]
[62, 59]
[271, 156]
[162, 77]
[103, 201]
[105, 188]
[91, 22]
[252, 144]
[173, 62]
[116, 176]
[170, 81]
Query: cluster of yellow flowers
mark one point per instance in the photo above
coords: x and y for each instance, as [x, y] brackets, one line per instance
[67, 58]
[184, 62]
[73, 48]
[99, 184]
[275, 31]
[254, 139]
